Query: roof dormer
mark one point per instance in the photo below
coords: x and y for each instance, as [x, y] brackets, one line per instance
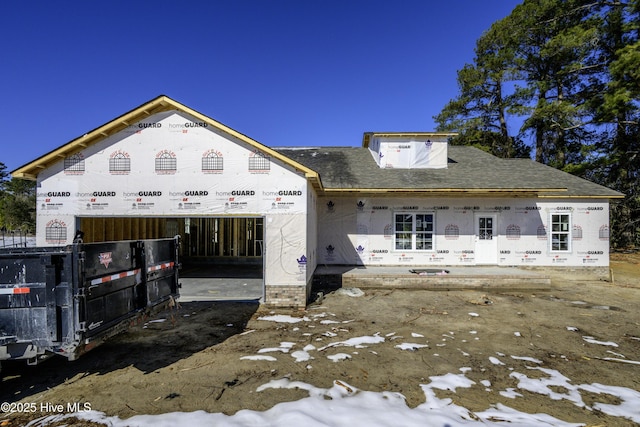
[423, 150]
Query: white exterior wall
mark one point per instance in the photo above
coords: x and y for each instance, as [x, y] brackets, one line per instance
[419, 152]
[312, 235]
[285, 250]
[89, 185]
[361, 231]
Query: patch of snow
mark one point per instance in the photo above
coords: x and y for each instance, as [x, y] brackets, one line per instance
[614, 359]
[284, 348]
[544, 385]
[528, 359]
[339, 406]
[449, 382]
[301, 356]
[282, 318]
[592, 340]
[358, 342]
[338, 357]
[268, 358]
[495, 361]
[510, 393]
[628, 408]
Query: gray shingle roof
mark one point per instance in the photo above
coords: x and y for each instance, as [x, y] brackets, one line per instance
[469, 169]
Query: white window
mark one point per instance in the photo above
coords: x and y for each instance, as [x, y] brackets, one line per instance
[560, 232]
[413, 231]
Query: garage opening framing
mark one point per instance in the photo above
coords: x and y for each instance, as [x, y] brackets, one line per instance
[215, 251]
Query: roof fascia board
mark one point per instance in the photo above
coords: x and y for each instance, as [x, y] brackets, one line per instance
[559, 196]
[31, 169]
[537, 193]
[448, 190]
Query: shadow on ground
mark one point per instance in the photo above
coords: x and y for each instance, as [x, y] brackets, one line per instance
[160, 341]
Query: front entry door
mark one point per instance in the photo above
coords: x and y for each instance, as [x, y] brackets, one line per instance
[486, 251]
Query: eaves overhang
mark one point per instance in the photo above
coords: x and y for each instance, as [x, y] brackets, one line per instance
[597, 196]
[444, 192]
[160, 104]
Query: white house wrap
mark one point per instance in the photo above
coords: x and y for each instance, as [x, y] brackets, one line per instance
[400, 199]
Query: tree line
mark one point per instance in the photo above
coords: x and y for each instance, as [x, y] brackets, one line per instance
[17, 203]
[556, 80]
[559, 80]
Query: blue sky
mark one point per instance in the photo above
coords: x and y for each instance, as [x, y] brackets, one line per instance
[283, 72]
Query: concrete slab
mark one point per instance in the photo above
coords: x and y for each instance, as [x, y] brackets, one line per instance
[221, 282]
[438, 278]
[221, 289]
[488, 278]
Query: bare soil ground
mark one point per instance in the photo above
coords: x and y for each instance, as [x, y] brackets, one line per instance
[192, 361]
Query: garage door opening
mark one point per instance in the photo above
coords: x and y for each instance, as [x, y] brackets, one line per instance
[222, 257]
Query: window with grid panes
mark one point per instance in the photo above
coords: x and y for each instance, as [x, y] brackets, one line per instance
[413, 231]
[560, 232]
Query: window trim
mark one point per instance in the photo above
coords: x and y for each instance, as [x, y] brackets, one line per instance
[414, 232]
[568, 232]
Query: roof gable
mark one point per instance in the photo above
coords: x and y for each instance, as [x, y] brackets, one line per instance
[160, 104]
